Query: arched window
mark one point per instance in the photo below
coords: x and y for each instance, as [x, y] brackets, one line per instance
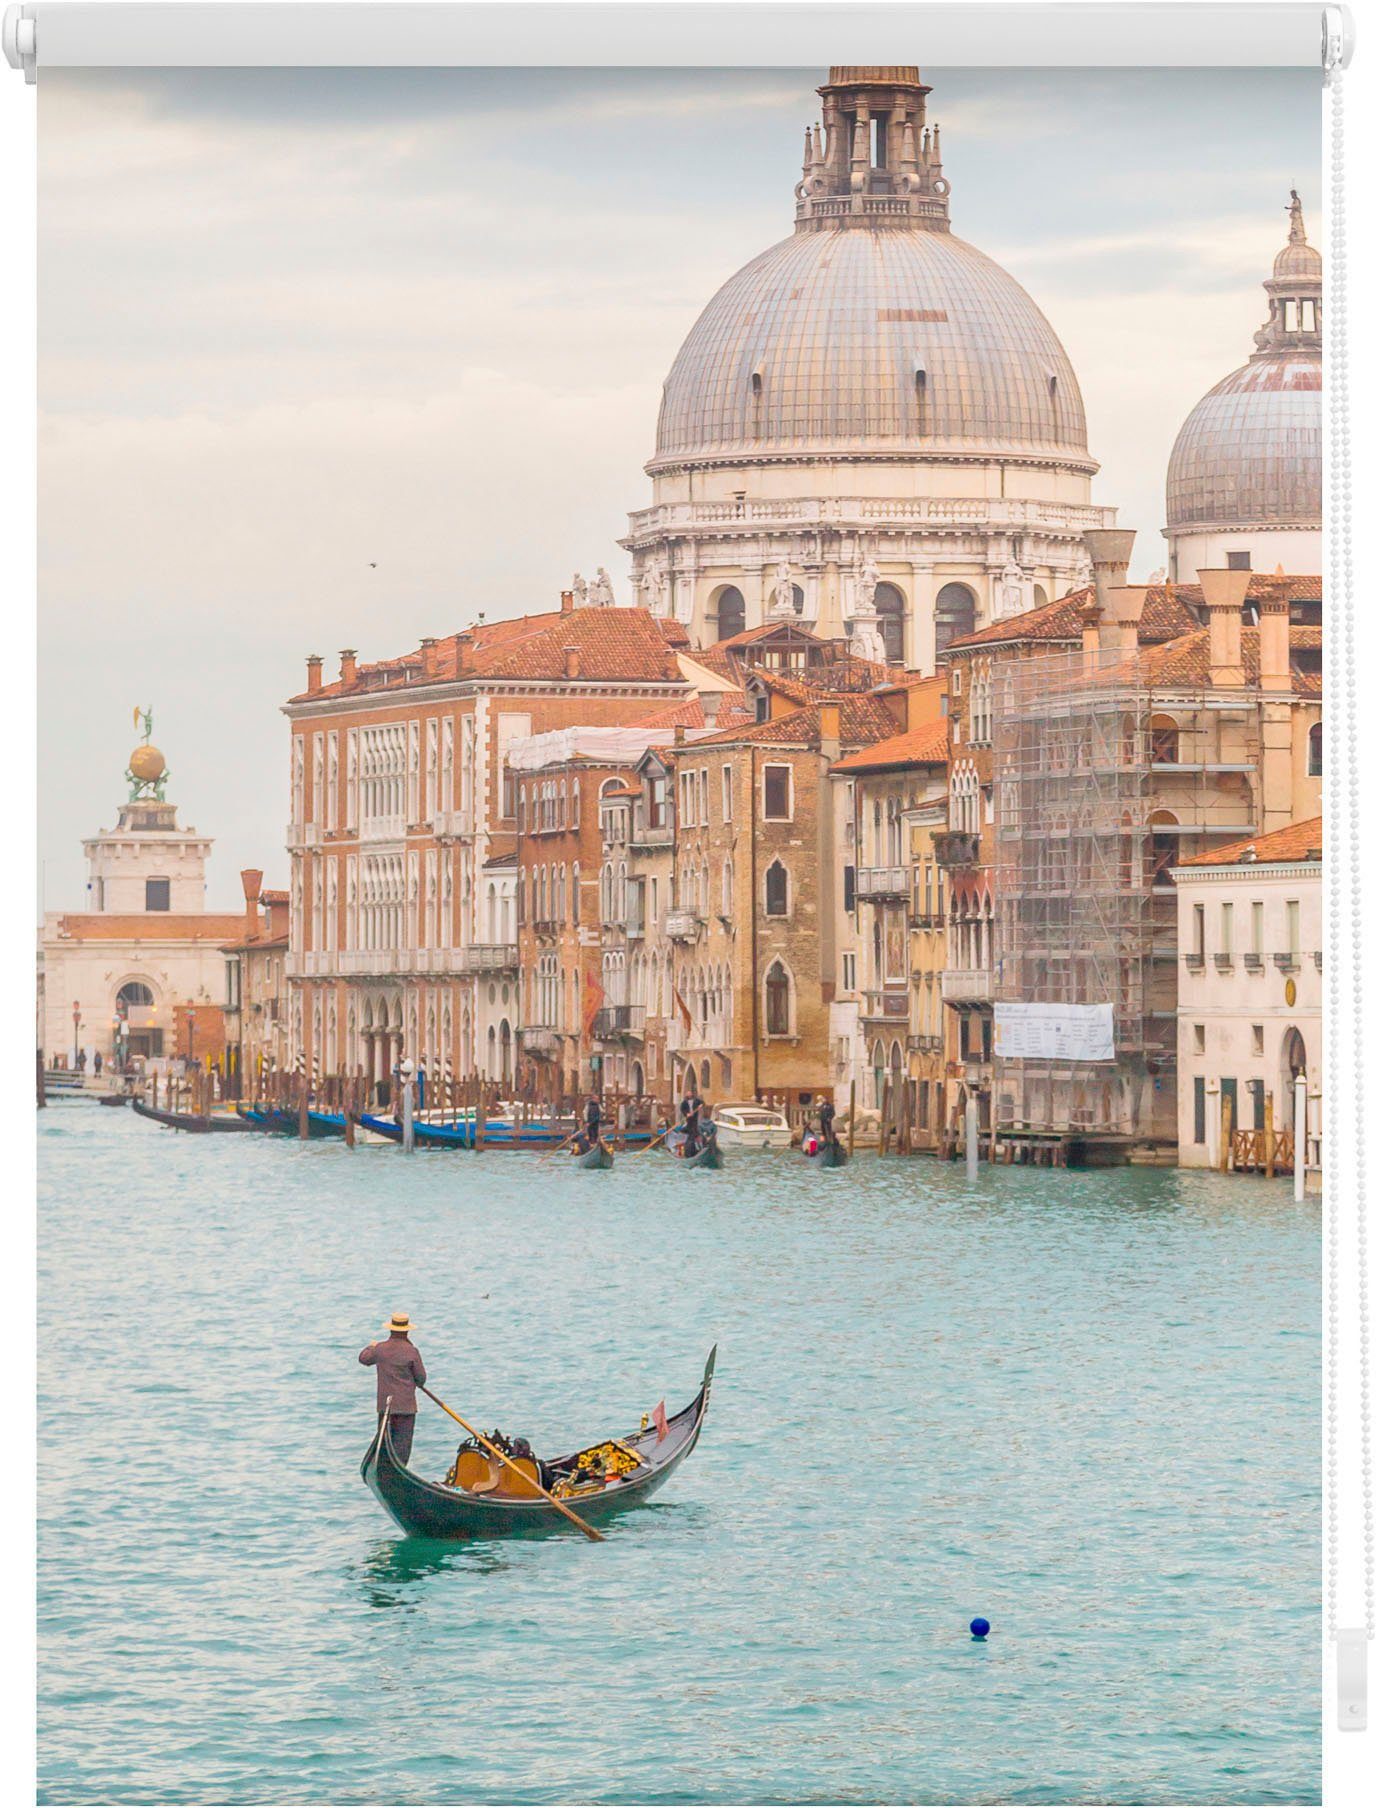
[891, 608]
[955, 614]
[778, 1000]
[1165, 742]
[1316, 751]
[730, 613]
[133, 995]
[776, 890]
[1163, 850]
[728, 888]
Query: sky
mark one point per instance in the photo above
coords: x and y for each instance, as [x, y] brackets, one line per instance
[339, 358]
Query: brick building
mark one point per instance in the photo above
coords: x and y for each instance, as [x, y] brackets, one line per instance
[403, 828]
[753, 918]
[256, 1016]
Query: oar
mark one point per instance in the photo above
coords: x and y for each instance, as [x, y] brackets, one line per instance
[502, 1457]
[659, 1139]
[563, 1145]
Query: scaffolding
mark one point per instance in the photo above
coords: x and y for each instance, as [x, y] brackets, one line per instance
[1099, 788]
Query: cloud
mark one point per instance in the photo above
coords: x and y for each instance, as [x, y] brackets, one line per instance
[295, 322]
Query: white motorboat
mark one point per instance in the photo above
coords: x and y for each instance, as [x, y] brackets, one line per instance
[751, 1127]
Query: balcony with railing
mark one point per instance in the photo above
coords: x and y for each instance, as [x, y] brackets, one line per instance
[956, 847]
[962, 985]
[452, 825]
[304, 834]
[652, 835]
[541, 1040]
[890, 1004]
[682, 925]
[881, 881]
[487, 957]
[617, 1020]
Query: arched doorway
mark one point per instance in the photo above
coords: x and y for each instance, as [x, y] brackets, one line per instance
[505, 1053]
[891, 607]
[730, 613]
[138, 1032]
[637, 1079]
[955, 614]
[690, 1080]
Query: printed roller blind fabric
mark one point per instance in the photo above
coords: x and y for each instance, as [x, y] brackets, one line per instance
[811, 845]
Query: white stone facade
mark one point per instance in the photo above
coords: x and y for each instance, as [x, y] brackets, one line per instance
[1251, 998]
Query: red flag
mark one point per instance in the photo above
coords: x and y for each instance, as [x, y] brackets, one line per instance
[661, 1423]
[593, 996]
[683, 1011]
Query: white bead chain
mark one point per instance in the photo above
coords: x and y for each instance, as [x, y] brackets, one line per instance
[1344, 1004]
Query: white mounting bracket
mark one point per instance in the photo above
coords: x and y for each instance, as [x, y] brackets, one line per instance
[19, 34]
[1351, 1642]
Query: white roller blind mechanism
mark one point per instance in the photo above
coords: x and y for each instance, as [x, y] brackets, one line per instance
[58, 34]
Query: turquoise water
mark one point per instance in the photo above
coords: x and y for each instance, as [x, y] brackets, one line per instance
[1083, 1405]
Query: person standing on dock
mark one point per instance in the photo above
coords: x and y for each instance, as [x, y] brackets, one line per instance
[399, 1372]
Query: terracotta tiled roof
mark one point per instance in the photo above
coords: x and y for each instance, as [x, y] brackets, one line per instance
[1301, 841]
[1169, 611]
[1165, 614]
[690, 714]
[1185, 661]
[611, 644]
[256, 944]
[863, 720]
[929, 744]
[151, 926]
[616, 643]
[274, 897]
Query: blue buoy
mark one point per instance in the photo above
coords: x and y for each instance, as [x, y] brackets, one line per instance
[979, 1628]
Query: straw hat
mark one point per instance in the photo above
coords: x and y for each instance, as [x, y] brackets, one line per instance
[399, 1322]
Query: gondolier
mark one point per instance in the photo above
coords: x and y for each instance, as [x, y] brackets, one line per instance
[827, 1115]
[399, 1372]
[592, 1124]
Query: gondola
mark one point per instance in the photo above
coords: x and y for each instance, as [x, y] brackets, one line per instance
[707, 1155]
[114, 1098]
[829, 1155]
[432, 1510]
[188, 1120]
[599, 1156]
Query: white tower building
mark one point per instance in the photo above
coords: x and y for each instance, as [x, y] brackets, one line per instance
[871, 417]
[1245, 482]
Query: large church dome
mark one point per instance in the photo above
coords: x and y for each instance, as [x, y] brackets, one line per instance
[1250, 453]
[875, 341]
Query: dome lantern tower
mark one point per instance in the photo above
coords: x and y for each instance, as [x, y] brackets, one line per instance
[1244, 486]
[873, 160]
[872, 418]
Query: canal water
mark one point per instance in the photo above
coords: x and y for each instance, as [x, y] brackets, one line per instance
[1084, 1406]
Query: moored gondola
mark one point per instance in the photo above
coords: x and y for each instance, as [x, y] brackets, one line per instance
[114, 1098]
[189, 1120]
[435, 1510]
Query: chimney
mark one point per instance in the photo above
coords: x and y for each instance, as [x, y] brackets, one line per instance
[1090, 637]
[829, 729]
[565, 602]
[1224, 594]
[680, 734]
[252, 882]
[1123, 617]
[897, 702]
[1110, 550]
[462, 648]
[314, 680]
[573, 662]
[429, 661]
[1275, 643]
[348, 665]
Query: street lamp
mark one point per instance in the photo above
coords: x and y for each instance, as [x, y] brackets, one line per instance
[76, 1033]
[191, 1035]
